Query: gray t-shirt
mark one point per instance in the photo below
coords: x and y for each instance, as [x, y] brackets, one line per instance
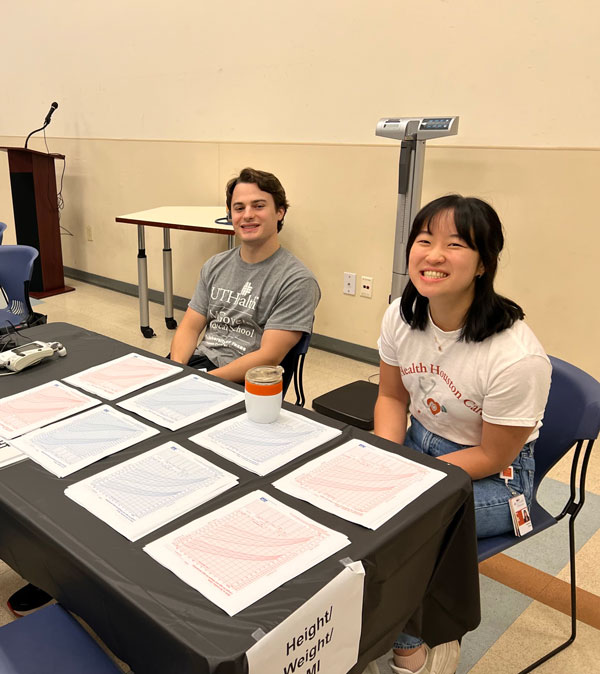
[241, 301]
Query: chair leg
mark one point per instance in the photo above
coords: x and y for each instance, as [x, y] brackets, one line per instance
[298, 387]
[573, 573]
[572, 510]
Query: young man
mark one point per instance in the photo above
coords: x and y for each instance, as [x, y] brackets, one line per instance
[256, 300]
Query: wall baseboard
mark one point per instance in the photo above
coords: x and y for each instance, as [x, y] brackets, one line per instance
[322, 342]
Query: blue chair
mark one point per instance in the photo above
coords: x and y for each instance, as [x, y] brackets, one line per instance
[16, 267]
[572, 417]
[51, 641]
[2, 228]
[293, 366]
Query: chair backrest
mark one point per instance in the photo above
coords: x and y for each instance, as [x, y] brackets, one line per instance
[572, 414]
[2, 228]
[293, 364]
[16, 267]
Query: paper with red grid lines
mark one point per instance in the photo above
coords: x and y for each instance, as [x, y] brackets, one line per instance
[360, 483]
[245, 550]
[39, 406]
[120, 376]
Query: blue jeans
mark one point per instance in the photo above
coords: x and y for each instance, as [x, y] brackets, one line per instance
[490, 494]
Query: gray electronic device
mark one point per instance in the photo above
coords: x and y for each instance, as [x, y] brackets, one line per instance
[413, 132]
[20, 357]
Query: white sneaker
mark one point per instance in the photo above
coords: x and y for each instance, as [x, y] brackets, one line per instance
[422, 670]
[442, 659]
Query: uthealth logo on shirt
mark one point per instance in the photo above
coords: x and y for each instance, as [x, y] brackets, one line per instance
[241, 298]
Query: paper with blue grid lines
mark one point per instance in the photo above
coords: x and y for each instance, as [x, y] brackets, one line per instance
[261, 448]
[142, 494]
[183, 401]
[70, 445]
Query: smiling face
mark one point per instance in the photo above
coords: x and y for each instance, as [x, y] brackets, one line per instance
[441, 264]
[254, 216]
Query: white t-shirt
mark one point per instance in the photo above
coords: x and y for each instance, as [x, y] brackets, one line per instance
[453, 384]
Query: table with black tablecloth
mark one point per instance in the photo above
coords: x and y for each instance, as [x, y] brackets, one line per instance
[421, 566]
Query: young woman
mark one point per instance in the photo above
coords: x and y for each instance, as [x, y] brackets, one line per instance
[460, 360]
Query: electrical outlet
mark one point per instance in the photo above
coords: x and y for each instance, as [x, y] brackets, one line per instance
[366, 286]
[349, 283]
[89, 234]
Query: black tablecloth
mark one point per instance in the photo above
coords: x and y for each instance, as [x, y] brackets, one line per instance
[421, 566]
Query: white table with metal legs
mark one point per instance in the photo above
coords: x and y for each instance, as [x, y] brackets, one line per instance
[211, 219]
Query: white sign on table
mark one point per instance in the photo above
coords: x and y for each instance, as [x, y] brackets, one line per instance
[321, 637]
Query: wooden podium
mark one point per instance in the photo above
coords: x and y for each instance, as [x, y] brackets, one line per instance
[35, 206]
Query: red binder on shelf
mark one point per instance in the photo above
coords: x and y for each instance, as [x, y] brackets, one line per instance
[35, 206]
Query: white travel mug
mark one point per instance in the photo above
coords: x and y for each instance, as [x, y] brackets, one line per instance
[264, 387]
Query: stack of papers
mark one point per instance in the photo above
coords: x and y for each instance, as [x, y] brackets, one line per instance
[183, 401]
[261, 448]
[144, 493]
[9, 454]
[70, 445]
[39, 406]
[360, 483]
[123, 375]
[241, 552]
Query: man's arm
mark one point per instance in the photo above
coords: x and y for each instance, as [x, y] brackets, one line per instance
[187, 336]
[274, 345]
[391, 408]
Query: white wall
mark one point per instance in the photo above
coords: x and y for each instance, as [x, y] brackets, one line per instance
[518, 73]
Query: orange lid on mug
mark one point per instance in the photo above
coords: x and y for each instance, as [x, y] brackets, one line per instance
[264, 380]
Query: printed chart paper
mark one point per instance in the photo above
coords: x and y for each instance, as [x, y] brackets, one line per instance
[9, 454]
[123, 375]
[39, 406]
[360, 483]
[261, 448]
[322, 636]
[183, 401]
[245, 550]
[140, 495]
[72, 444]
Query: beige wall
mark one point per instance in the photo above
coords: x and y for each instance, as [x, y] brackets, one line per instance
[519, 72]
[160, 106]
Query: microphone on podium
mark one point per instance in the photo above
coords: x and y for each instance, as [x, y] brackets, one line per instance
[47, 119]
[50, 112]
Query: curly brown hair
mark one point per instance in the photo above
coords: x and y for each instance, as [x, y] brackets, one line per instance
[266, 182]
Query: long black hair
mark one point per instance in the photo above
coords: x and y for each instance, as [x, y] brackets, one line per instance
[478, 224]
